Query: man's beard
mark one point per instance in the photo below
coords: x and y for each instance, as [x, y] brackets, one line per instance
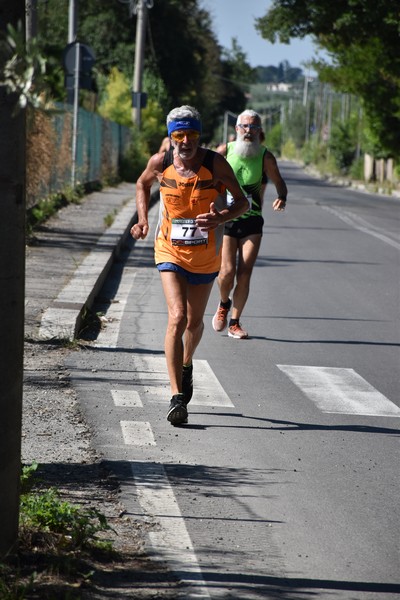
[246, 149]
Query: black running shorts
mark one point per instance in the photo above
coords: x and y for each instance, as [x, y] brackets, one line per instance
[244, 227]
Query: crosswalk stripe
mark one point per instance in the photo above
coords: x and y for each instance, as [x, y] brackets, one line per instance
[340, 390]
[137, 433]
[152, 382]
[127, 398]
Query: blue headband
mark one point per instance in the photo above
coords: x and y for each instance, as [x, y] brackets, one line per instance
[188, 123]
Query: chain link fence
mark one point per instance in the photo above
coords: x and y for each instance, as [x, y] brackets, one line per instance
[100, 147]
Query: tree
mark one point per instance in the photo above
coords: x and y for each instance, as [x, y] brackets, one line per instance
[283, 72]
[12, 281]
[184, 56]
[187, 58]
[117, 102]
[362, 38]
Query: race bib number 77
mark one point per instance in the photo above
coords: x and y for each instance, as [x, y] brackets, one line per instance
[185, 232]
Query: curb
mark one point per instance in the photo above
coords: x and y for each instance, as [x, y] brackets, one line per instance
[63, 319]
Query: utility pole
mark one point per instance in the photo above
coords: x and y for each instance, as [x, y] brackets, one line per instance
[72, 33]
[12, 289]
[141, 11]
[138, 7]
[73, 92]
[72, 20]
[31, 19]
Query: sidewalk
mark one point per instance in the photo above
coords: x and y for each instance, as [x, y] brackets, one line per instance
[69, 260]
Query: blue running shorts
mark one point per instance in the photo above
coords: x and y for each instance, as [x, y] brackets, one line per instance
[192, 278]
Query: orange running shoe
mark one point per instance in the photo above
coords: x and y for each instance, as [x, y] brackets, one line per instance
[220, 319]
[236, 331]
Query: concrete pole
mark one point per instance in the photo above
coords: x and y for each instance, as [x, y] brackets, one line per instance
[31, 19]
[72, 20]
[76, 110]
[72, 35]
[139, 59]
[12, 284]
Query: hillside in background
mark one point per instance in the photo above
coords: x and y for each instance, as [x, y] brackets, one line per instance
[283, 73]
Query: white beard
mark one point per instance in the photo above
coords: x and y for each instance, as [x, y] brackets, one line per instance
[246, 149]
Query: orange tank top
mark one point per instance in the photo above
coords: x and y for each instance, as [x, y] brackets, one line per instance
[177, 238]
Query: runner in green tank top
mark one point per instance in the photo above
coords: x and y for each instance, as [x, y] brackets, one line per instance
[253, 166]
[248, 171]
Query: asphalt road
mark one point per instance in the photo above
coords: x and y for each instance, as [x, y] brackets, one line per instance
[285, 482]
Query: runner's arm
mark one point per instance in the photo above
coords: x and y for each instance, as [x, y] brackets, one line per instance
[221, 149]
[143, 190]
[272, 170]
[224, 175]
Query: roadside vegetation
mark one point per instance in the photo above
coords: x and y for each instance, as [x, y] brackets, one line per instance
[59, 543]
[340, 114]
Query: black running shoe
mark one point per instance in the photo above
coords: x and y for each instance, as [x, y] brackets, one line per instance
[187, 383]
[177, 413]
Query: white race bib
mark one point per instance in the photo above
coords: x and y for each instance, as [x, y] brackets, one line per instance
[185, 232]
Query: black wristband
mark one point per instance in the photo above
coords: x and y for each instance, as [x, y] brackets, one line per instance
[283, 199]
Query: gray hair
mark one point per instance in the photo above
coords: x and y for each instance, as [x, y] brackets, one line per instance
[249, 113]
[183, 112]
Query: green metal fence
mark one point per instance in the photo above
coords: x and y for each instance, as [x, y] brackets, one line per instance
[51, 160]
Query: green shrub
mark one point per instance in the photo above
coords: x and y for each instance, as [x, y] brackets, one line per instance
[274, 139]
[45, 512]
[289, 150]
[313, 152]
[135, 160]
[357, 169]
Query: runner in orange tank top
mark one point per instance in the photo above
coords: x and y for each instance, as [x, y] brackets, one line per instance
[188, 239]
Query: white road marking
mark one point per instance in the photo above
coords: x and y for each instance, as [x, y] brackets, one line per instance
[362, 225]
[137, 433]
[207, 389]
[171, 541]
[151, 373]
[128, 398]
[108, 337]
[340, 390]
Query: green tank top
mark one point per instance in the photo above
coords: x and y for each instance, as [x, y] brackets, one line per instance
[249, 173]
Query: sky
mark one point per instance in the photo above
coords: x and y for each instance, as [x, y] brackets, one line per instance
[235, 18]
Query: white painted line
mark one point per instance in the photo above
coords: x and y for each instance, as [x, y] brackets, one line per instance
[207, 389]
[362, 225]
[155, 393]
[108, 336]
[151, 379]
[343, 391]
[151, 368]
[129, 398]
[171, 541]
[137, 433]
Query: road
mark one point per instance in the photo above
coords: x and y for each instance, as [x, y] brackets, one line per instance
[285, 482]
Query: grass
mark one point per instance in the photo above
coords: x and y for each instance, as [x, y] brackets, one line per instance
[47, 207]
[56, 547]
[110, 218]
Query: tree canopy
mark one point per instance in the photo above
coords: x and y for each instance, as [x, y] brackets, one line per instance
[362, 39]
[181, 50]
